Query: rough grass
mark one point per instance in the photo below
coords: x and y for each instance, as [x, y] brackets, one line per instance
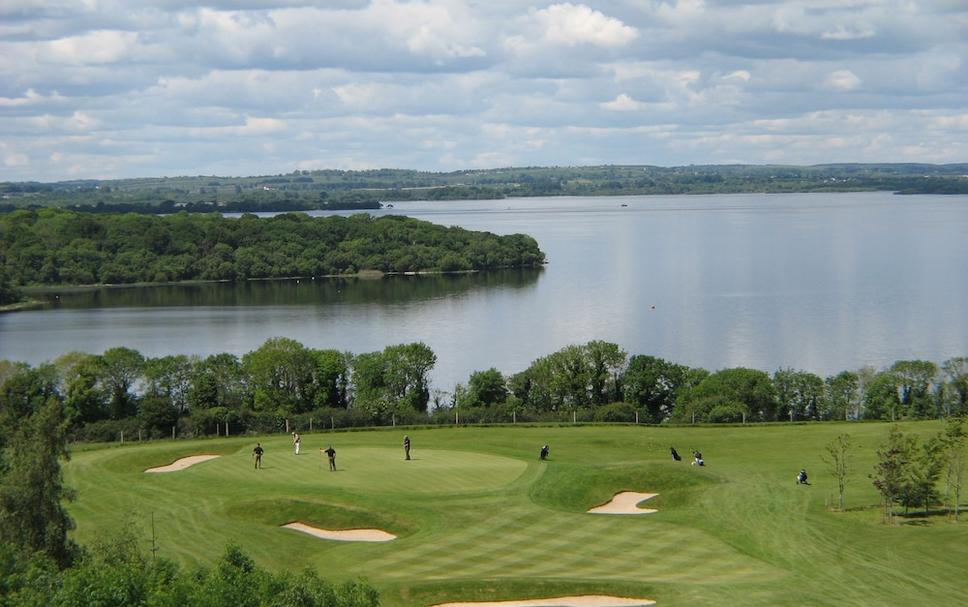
[480, 518]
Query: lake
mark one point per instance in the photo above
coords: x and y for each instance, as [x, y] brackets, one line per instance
[821, 282]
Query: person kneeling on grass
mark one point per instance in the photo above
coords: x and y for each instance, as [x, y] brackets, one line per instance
[802, 477]
[697, 459]
[544, 452]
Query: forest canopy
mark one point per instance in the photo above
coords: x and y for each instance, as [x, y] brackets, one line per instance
[62, 247]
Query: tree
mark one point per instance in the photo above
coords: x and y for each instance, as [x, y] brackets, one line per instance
[217, 381]
[485, 388]
[726, 390]
[405, 375]
[891, 470]
[842, 394]
[170, 377]
[332, 378]
[119, 369]
[881, 397]
[606, 364]
[281, 374]
[32, 516]
[914, 379]
[920, 487]
[955, 396]
[953, 442]
[838, 458]
[652, 382]
[799, 393]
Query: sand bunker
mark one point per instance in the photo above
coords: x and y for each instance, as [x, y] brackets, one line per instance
[182, 463]
[625, 502]
[561, 601]
[344, 535]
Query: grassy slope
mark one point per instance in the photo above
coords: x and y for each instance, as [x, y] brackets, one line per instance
[479, 517]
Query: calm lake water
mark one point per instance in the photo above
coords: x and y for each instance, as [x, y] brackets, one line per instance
[822, 282]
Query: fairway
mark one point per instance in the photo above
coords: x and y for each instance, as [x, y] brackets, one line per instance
[477, 516]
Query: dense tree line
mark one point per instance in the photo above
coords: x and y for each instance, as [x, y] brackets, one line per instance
[102, 395]
[53, 246]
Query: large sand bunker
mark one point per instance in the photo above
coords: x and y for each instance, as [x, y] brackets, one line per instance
[343, 535]
[182, 463]
[625, 502]
[596, 600]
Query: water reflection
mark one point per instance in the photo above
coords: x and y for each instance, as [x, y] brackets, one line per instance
[295, 292]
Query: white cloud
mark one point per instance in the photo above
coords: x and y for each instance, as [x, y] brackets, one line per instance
[842, 80]
[622, 103]
[572, 24]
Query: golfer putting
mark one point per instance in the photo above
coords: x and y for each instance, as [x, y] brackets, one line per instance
[406, 447]
[331, 455]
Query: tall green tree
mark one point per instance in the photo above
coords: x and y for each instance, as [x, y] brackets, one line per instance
[892, 469]
[955, 394]
[32, 514]
[119, 369]
[281, 373]
[842, 395]
[606, 366]
[485, 388]
[653, 383]
[954, 441]
[914, 380]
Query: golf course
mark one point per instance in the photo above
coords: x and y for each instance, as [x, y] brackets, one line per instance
[478, 517]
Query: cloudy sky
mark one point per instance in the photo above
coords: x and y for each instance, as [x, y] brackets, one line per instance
[113, 88]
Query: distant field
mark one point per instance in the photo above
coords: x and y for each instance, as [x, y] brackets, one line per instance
[479, 517]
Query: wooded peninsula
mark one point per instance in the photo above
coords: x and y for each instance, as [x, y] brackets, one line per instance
[338, 189]
[64, 247]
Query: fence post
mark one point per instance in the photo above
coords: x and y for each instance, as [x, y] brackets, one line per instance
[332, 423]
[636, 417]
[514, 417]
[139, 435]
[173, 433]
[287, 425]
[122, 437]
[226, 429]
[393, 420]
[574, 416]
[310, 424]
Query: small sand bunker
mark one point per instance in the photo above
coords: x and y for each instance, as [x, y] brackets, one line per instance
[344, 535]
[596, 600]
[182, 463]
[625, 502]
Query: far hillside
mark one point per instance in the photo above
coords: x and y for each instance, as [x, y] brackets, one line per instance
[337, 189]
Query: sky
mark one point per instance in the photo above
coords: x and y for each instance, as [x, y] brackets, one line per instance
[106, 89]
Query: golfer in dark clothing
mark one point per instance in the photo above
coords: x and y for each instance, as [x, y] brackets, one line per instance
[257, 452]
[406, 446]
[544, 452]
[331, 454]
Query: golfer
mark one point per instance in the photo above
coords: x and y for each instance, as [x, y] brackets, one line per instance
[257, 453]
[406, 446]
[331, 454]
[295, 443]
